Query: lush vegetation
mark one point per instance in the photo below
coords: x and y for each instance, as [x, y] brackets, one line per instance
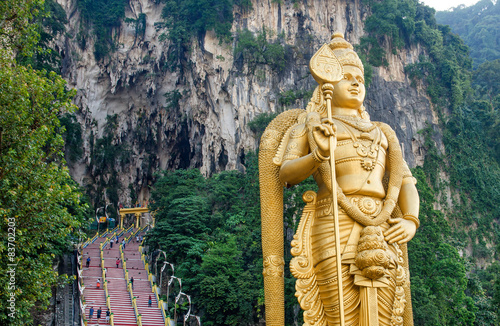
[478, 27]
[40, 206]
[486, 85]
[210, 227]
[210, 230]
[186, 19]
[73, 140]
[103, 16]
[391, 20]
[50, 21]
[449, 287]
[438, 272]
[257, 50]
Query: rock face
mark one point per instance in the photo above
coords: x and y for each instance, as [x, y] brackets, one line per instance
[217, 94]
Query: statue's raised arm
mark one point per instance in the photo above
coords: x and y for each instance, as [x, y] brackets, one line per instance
[365, 216]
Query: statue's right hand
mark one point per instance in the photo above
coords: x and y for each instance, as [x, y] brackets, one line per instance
[322, 133]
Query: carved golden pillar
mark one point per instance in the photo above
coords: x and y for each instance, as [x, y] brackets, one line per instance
[122, 216]
[271, 192]
[137, 217]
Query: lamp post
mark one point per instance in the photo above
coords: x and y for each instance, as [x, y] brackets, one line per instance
[182, 294]
[186, 316]
[197, 318]
[106, 212]
[97, 218]
[179, 281]
[165, 263]
[163, 268]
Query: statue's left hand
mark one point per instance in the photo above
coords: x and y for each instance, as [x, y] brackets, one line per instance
[401, 230]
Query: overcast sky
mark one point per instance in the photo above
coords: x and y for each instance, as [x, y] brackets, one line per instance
[441, 5]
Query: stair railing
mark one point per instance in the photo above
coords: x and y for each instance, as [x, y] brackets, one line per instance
[105, 233]
[132, 235]
[136, 231]
[160, 305]
[120, 232]
[115, 229]
[128, 230]
[127, 239]
[90, 240]
[155, 289]
[81, 287]
[105, 281]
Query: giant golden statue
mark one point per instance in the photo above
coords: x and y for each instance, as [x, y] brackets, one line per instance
[365, 216]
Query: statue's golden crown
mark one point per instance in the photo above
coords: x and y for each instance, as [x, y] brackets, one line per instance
[344, 52]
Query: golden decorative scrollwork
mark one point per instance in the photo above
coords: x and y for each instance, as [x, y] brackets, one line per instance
[274, 266]
[301, 266]
[398, 307]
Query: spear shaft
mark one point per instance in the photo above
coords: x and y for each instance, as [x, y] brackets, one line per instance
[328, 93]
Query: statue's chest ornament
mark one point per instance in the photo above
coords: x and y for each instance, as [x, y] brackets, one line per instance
[369, 154]
[367, 145]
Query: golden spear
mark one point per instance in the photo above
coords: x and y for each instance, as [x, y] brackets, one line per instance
[327, 71]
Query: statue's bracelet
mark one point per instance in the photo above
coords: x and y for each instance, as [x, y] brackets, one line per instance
[318, 157]
[412, 218]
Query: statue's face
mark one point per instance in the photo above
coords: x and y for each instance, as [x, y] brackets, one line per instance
[350, 91]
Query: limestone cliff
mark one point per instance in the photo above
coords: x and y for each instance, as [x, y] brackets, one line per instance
[219, 95]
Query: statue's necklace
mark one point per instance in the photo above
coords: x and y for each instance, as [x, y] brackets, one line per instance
[356, 122]
[370, 152]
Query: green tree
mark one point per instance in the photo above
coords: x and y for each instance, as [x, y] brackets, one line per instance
[225, 286]
[50, 23]
[40, 206]
[35, 187]
[182, 215]
[257, 50]
[18, 34]
[72, 137]
[203, 223]
[438, 273]
[486, 80]
[478, 27]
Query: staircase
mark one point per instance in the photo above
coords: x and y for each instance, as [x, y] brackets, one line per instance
[94, 297]
[150, 316]
[121, 304]
[120, 301]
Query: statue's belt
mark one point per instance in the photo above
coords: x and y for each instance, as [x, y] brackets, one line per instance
[371, 206]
